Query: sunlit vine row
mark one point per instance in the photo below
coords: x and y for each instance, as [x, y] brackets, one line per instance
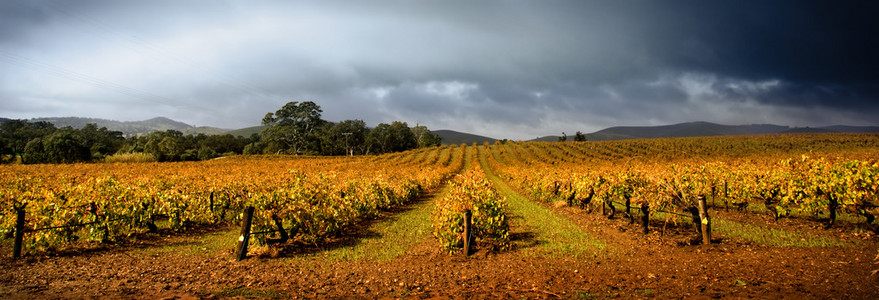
[838, 175]
[312, 197]
[472, 191]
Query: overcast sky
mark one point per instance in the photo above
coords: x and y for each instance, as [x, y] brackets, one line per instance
[505, 69]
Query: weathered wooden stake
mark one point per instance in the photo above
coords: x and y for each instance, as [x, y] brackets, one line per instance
[706, 222]
[212, 201]
[645, 216]
[19, 233]
[467, 231]
[245, 234]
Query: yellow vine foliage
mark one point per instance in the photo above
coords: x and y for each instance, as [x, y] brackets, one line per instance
[313, 197]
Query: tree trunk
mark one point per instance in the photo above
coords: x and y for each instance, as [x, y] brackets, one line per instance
[571, 198]
[697, 220]
[832, 207]
[613, 209]
[585, 202]
[870, 217]
[628, 210]
[283, 233]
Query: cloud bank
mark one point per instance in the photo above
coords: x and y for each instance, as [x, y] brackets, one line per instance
[507, 69]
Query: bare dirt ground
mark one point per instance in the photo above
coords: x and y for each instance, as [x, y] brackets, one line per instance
[199, 265]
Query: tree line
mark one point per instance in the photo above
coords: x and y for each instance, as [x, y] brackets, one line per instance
[578, 137]
[296, 128]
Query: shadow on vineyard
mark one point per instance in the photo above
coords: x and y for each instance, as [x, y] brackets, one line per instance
[165, 240]
[524, 239]
[383, 237]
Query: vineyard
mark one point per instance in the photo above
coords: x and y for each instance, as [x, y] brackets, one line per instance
[789, 175]
[311, 198]
[664, 196]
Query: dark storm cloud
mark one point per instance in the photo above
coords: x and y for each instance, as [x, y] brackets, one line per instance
[16, 21]
[514, 69]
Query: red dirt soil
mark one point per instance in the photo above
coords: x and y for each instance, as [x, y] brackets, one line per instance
[658, 265]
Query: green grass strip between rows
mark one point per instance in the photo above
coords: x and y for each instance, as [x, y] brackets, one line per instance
[553, 235]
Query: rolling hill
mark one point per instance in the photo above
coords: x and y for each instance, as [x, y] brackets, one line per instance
[130, 128]
[683, 130]
[451, 137]
[692, 129]
[247, 132]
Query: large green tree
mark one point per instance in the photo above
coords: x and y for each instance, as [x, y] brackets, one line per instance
[291, 128]
[394, 137]
[65, 145]
[16, 134]
[425, 138]
[579, 137]
[101, 141]
[346, 137]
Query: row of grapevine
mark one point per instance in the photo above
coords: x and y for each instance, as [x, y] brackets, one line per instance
[846, 181]
[313, 197]
[471, 191]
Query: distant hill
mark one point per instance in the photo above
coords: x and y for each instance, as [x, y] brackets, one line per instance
[451, 137]
[130, 128]
[705, 129]
[247, 132]
[206, 130]
[682, 130]
[851, 129]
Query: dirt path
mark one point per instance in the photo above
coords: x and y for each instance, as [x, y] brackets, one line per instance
[576, 255]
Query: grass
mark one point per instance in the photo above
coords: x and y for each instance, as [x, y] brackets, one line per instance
[841, 216]
[763, 234]
[644, 292]
[553, 235]
[395, 235]
[773, 237]
[390, 237]
[584, 295]
[204, 245]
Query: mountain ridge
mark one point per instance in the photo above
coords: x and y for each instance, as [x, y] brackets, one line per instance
[132, 128]
[451, 137]
[702, 128]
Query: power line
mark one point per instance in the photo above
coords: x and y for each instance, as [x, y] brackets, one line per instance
[144, 47]
[93, 81]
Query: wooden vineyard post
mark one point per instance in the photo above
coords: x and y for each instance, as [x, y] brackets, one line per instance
[19, 233]
[468, 215]
[706, 222]
[245, 234]
[645, 217]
